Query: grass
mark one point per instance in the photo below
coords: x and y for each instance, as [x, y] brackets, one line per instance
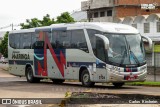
[157, 48]
[146, 83]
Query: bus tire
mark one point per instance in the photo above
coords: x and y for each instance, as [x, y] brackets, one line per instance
[58, 81]
[30, 77]
[118, 85]
[85, 78]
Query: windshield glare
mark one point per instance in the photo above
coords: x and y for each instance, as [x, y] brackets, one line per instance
[125, 49]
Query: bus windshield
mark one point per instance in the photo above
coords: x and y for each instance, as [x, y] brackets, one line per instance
[125, 49]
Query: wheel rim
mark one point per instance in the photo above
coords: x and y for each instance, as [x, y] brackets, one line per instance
[29, 75]
[86, 78]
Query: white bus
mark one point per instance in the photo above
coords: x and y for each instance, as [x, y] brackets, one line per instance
[88, 52]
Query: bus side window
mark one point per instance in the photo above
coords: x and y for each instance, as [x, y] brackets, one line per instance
[78, 40]
[92, 37]
[48, 35]
[25, 41]
[55, 39]
[37, 43]
[21, 41]
[100, 50]
[61, 39]
[64, 39]
[68, 41]
[11, 40]
[34, 39]
[17, 41]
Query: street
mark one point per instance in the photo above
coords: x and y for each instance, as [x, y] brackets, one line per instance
[16, 87]
[11, 85]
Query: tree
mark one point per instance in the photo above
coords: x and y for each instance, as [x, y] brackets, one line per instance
[65, 18]
[37, 23]
[4, 45]
[47, 21]
[31, 23]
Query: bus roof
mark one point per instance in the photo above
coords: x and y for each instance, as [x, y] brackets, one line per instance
[113, 27]
[102, 26]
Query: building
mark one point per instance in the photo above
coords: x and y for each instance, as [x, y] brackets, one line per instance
[110, 10]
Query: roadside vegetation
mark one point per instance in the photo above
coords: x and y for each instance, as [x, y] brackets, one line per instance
[4, 46]
[146, 83]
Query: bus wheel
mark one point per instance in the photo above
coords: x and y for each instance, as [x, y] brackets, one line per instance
[58, 81]
[30, 77]
[118, 85]
[85, 78]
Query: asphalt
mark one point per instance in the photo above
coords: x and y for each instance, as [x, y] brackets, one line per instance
[15, 87]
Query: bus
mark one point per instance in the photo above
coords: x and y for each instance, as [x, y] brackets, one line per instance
[90, 52]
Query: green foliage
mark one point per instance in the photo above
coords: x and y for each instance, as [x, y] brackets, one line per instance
[157, 48]
[4, 45]
[31, 23]
[65, 18]
[37, 23]
[146, 83]
[47, 21]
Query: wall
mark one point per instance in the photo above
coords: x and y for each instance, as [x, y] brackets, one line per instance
[95, 4]
[133, 7]
[103, 19]
[135, 2]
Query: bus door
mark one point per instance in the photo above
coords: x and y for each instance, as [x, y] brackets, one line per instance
[40, 53]
[101, 74]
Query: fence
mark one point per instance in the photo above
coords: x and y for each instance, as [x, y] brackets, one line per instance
[153, 62]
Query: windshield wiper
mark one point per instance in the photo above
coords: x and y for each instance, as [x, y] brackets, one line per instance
[130, 52]
[134, 56]
[124, 54]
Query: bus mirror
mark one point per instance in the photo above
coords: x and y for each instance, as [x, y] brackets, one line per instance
[149, 41]
[105, 39]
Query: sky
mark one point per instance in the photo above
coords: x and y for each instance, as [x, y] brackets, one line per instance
[17, 11]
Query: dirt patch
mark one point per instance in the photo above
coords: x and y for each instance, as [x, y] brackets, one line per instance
[106, 98]
[4, 72]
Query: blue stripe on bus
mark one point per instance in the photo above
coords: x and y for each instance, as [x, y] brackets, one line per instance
[78, 64]
[20, 62]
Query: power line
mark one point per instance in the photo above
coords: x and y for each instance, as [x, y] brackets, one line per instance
[8, 26]
[4, 27]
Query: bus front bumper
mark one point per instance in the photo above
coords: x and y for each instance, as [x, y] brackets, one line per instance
[139, 76]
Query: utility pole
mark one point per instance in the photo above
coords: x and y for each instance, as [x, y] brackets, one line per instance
[89, 10]
[89, 13]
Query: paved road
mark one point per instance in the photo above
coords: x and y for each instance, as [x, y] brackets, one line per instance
[11, 84]
[15, 87]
